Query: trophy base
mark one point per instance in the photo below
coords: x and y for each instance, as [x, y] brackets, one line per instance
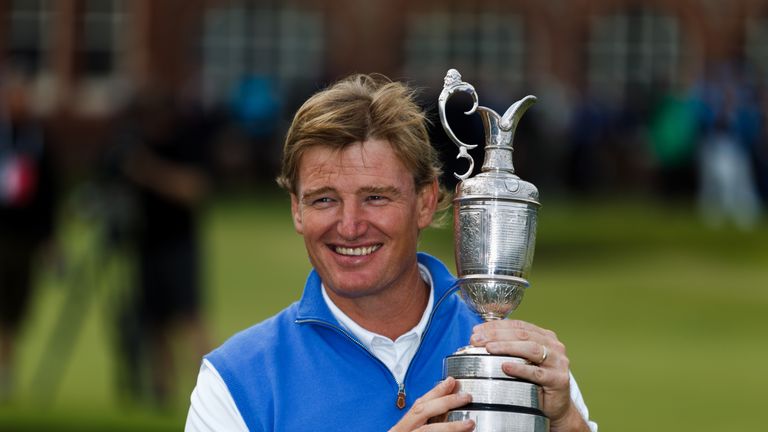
[501, 421]
[500, 403]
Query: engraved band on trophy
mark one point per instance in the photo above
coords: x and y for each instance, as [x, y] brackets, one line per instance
[495, 233]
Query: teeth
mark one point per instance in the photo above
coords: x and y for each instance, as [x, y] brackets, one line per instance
[358, 251]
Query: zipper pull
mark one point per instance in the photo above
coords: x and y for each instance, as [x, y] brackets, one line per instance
[401, 396]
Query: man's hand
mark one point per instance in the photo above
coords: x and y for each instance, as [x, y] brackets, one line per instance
[436, 402]
[549, 366]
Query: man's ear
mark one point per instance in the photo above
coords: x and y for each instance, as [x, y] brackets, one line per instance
[296, 214]
[427, 203]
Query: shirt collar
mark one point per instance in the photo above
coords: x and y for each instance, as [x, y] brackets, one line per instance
[367, 337]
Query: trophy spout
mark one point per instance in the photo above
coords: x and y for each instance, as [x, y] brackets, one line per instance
[500, 134]
[514, 113]
[498, 143]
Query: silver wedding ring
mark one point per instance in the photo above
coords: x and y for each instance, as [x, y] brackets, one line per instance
[544, 355]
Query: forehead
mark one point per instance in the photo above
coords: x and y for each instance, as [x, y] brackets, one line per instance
[369, 163]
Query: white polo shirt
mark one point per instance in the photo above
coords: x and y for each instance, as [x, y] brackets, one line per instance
[396, 355]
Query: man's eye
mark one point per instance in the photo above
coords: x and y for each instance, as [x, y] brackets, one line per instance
[377, 198]
[322, 202]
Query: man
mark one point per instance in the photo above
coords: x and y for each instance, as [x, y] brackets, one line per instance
[363, 348]
[166, 166]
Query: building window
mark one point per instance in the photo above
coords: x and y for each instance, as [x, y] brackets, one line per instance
[100, 47]
[29, 38]
[486, 46]
[274, 40]
[633, 49]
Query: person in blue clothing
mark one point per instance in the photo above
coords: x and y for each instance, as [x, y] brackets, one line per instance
[363, 348]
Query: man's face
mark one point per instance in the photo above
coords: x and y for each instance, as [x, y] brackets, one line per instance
[360, 215]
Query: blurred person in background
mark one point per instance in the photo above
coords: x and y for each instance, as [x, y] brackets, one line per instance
[761, 148]
[588, 129]
[731, 125]
[363, 348]
[166, 162]
[672, 132]
[27, 213]
[255, 107]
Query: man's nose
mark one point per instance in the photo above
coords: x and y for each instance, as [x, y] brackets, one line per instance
[352, 223]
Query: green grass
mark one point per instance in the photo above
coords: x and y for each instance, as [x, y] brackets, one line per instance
[664, 319]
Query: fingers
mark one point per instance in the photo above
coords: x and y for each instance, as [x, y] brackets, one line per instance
[533, 352]
[444, 388]
[519, 339]
[548, 363]
[512, 329]
[456, 426]
[436, 402]
[547, 377]
[554, 382]
[439, 400]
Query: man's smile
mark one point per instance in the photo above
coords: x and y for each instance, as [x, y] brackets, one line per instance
[356, 251]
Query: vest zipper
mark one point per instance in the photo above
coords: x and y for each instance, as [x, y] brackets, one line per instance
[401, 396]
[418, 348]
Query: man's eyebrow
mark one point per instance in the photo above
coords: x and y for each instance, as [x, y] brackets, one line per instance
[380, 190]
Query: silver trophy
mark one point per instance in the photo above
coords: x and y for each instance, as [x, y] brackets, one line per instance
[495, 233]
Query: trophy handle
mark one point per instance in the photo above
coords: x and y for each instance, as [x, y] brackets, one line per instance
[452, 84]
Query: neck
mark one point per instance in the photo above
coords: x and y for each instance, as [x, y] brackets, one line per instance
[391, 313]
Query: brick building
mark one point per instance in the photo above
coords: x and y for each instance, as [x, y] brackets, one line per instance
[86, 58]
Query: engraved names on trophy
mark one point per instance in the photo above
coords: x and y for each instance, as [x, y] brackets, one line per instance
[512, 226]
[470, 245]
[503, 392]
[478, 366]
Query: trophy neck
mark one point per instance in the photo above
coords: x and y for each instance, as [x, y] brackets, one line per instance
[498, 159]
[498, 143]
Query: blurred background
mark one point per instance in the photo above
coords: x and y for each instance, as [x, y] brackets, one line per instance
[140, 225]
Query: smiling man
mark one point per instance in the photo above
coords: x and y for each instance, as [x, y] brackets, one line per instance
[363, 348]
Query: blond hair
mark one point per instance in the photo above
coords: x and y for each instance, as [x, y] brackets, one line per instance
[356, 109]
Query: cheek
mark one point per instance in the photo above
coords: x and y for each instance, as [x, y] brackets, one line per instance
[404, 225]
[315, 224]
